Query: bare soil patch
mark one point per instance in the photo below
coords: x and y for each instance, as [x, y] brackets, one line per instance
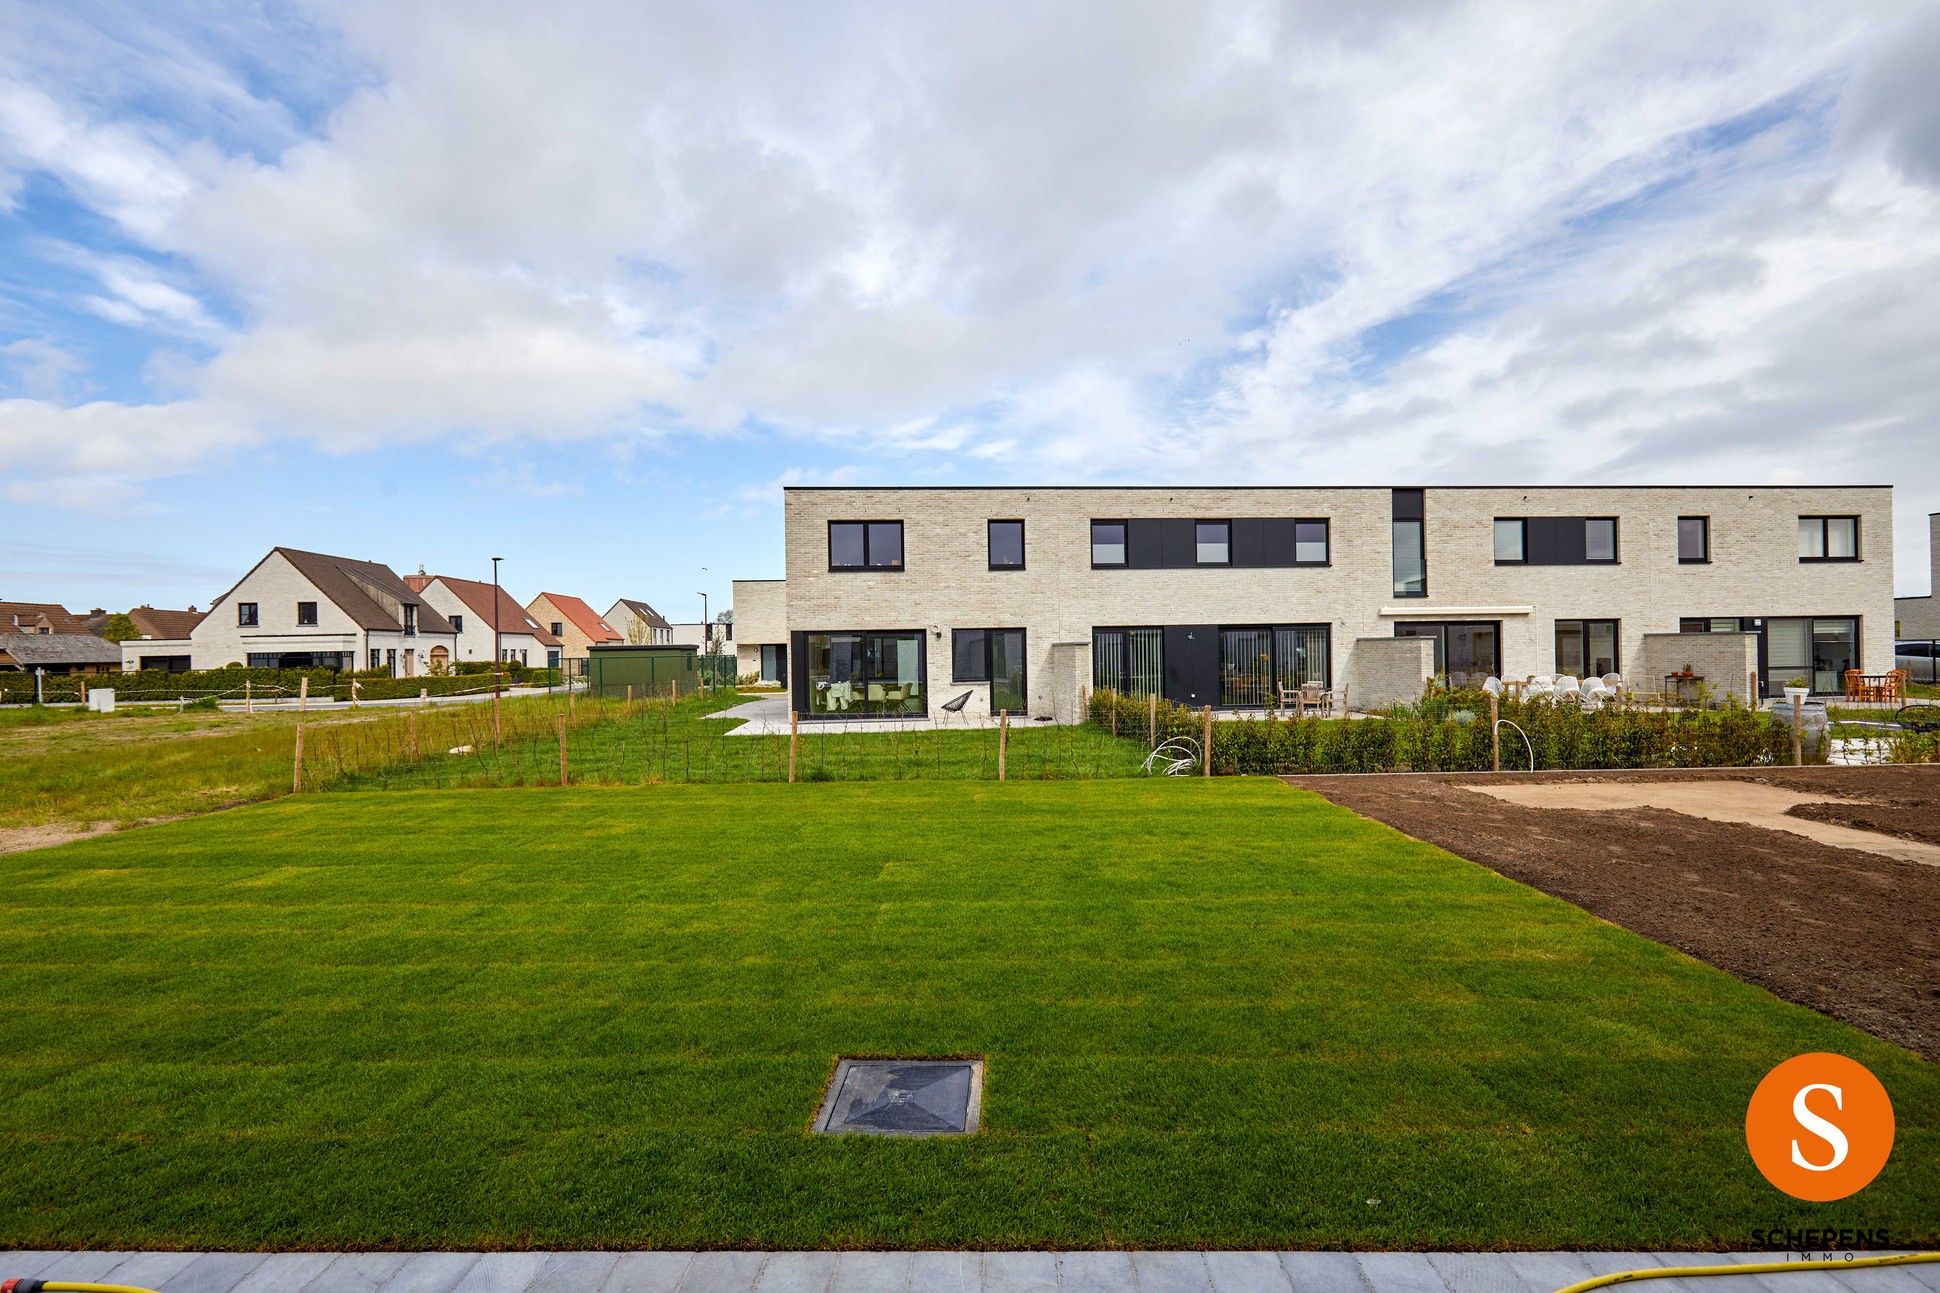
[18, 839]
[1850, 933]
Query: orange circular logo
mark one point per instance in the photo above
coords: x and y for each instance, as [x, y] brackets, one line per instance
[1820, 1126]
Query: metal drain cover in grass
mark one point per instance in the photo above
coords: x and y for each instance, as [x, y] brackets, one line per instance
[904, 1098]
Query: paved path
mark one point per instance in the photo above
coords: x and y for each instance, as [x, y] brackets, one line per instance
[931, 1272]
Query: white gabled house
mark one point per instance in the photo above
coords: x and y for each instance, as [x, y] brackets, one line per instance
[297, 610]
[467, 604]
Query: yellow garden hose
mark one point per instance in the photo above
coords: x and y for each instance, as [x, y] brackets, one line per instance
[1748, 1268]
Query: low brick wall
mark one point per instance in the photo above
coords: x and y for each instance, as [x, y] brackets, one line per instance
[1388, 671]
[1070, 678]
[1727, 662]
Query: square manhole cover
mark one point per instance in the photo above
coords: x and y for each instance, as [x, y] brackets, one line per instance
[904, 1097]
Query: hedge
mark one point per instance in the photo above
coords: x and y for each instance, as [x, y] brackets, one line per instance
[161, 685]
[1449, 732]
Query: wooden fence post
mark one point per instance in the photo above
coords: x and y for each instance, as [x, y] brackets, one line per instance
[793, 735]
[414, 738]
[572, 707]
[629, 700]
[424, 698]
[296, 776]
[249, 701]
[353, 693]
[1495, 732]
[1798, 733]
[1003, 740]
[303, 693]
[1152, 720]
[1205, 754]
[562, 751]
[497, 737]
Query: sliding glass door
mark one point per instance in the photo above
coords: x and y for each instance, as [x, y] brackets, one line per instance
[1466, 651]
[865, 675]
[1130, 662]
[1253, 663]
[1008, 692]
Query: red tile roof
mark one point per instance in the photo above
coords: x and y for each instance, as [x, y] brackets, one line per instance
[476, 594]
[582, 617]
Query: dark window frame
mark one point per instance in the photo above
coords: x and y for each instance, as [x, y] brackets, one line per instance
[1825, 538]
[248, 615]
[1704, 532]
[1124, 542]
[1522, 523]
[1616, 542]
[868, 566]
[1196, 560]
[1583, 626]
[957, 637]
[1421, 528]
[989, 546]
[1123, 668]
[306, 614]
[1273, 631]
[457, 623]
[1326, 524]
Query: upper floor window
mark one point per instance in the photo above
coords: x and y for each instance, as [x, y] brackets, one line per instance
[246, 615]
[1310, 543]
[457, 623]
[1006, 544]
[558, 629]
[1108, 543]
[1693, 539]
[410, 618]
[1410, 560]
[1213, 543]
[1600, 538]
[306, 613]
[865, 545]
[1828, 538]
[1511, 540]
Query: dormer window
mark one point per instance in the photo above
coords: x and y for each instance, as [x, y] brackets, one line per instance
[410, 619]
[457, 623]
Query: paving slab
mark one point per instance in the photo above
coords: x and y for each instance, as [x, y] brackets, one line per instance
[356, 1273]
[1324, 1272]
[283, 1272]
[1482, 1273]
[430, 1273]
[1401, 1273]
[1020, 1272]
[871, 1273]
[500, 1273]
[1095, 1272]
[650, 1273]
[1550, 1271]
[147, 1270]
[1171, 1273]
[1247, 1273]
[797, 1273]
[573, 1273]
[942, 1272]
[722, 1272]
[20, 1264]
[214, 1273]
[86, 1267]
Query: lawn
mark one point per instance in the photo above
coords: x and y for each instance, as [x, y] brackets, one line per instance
[1217, 1013]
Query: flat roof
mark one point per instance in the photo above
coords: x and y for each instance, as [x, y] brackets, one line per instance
[809, 489]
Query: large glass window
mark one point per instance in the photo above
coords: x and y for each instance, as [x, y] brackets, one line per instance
[1586, 648]
[246, 615]
[1128, 661]
[306, 613]
[1214, 540]
[970, 656]
[1006, 542]
[1693, 539]
[865, 545]
[1828, 538]
[1466, 652]
[865, 674]
[1253, 662]
[1410, 562]
[1600, 538]
[1511, 540]
[1108, 543]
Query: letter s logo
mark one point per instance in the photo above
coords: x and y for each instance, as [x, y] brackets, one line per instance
[1827, 1131]
[1793, 1137]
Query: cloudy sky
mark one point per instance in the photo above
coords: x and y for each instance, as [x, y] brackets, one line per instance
[582, 284]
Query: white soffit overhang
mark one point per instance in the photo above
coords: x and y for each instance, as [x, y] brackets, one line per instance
[1454, 612]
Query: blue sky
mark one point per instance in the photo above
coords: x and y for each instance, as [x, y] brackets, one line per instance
[583, 288]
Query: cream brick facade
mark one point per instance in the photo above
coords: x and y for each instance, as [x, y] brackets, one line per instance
[275, 586]
[1919, 617]
[760, 619]
[945, 583]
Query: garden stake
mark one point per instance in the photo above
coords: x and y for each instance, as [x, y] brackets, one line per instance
[424, 698]
[303, 694]
[1151, 719]
[414, 738]
[249, 705]
[1003, 739]
[1205, 755]
[1798, 733]
[562, 751]
[629, 700]
[296, 776]
[496, 739]
[1495, 731]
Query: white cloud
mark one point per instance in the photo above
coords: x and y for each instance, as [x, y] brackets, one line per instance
[1093, 241]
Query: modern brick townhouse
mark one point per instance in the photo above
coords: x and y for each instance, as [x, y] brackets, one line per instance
[897, 600]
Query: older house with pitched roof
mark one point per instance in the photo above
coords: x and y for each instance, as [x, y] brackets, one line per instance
[468, 604]
[577, 626]
[38, 617]
[297, 610]
[638, 623]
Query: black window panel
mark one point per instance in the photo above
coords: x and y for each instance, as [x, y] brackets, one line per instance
[1555, 541]
[1192, 664]
[970, 656]
[457, 623]
[1694, 539]
[1409, 505]
[1178, 544]
[306, 612]
[885, 543]
[1249, 542]
[1280, 541]
[846, 544]
[1006, 542]
[1142, 544]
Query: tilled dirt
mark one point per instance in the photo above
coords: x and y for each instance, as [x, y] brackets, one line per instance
[1854, 935]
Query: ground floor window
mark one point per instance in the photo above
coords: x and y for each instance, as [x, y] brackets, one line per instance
[1817, 648]
[1130, 662]
[1466, 651]
[865, 674]
[1586, 648]
[166, 663]
[995, 656]
[552, 659]
[292, 660]
[1255, 662]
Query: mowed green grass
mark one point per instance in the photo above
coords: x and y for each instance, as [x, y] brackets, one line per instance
[1215, 1013]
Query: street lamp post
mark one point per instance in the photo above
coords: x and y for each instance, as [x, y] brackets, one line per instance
[497, 653]
[707, 636]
